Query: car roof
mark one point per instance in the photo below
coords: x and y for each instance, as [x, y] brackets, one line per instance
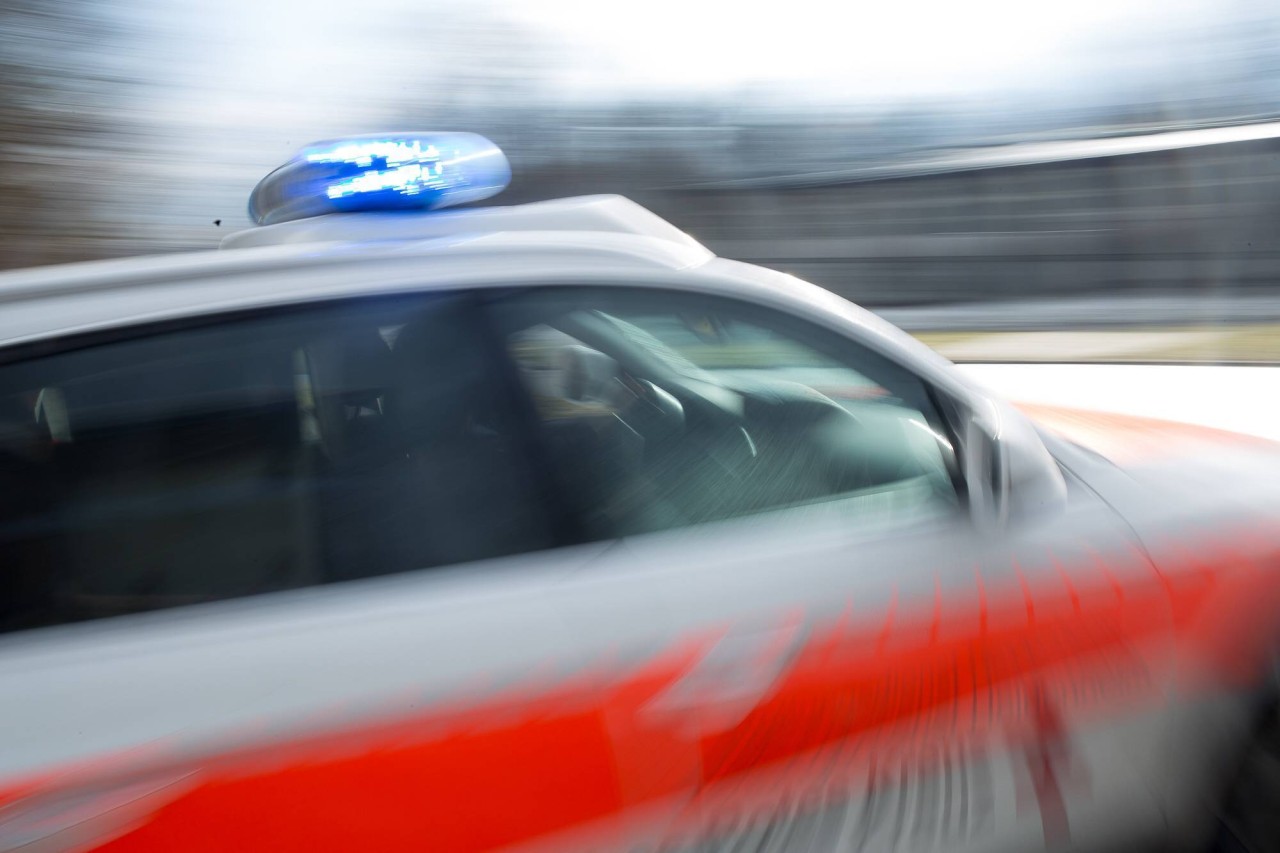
[597, 214]
[606, 237]
[596, 240]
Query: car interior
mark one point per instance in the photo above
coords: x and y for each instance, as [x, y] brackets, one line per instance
[652, 441]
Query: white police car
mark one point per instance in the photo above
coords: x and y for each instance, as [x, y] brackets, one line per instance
[542, 528]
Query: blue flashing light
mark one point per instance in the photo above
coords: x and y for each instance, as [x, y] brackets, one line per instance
[390, 171]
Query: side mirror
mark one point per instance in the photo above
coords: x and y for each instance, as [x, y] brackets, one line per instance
[985, 466]
[1035, 482]
[1009, 473]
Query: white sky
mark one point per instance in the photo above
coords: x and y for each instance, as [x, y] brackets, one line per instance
[282, 62]
[241, 84]
[862, 48]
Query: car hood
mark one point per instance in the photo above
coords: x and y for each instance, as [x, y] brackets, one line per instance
[1131, 441]
[1168, 480]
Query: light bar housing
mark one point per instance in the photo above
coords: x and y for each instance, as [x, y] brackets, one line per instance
[382, 172]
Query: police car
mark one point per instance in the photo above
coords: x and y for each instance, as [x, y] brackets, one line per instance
[541, 528]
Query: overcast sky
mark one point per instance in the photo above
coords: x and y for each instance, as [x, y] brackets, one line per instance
[287, 62]
[243, 83]
[863, 48]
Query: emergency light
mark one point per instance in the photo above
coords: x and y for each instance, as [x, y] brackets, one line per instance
[389, 171]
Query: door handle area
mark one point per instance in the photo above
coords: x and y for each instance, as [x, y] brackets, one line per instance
[737, 673]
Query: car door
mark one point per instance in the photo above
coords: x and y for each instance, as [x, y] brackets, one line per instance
[809, 643]
[284, 581]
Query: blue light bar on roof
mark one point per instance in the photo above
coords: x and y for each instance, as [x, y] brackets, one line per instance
[389, 171]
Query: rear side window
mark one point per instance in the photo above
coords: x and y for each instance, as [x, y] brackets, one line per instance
[255, 455]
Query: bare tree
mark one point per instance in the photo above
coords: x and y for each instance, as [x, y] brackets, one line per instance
[59, 90]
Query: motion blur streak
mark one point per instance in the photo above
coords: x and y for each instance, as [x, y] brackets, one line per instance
[946, 159]
[1005, 672]
[1024, 182]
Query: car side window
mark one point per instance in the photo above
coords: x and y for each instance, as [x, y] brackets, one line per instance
[257, 454]
[662, 410]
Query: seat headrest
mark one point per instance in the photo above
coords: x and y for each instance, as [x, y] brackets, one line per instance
[354, 367]
[442, 378]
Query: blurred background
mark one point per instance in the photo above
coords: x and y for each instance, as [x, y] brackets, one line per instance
[1095, 180]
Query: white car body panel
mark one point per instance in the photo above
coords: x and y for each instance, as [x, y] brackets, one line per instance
[735, 605]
